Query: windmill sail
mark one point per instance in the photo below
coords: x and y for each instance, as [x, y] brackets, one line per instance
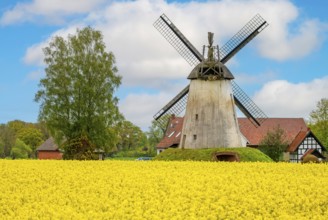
[172, 34]
[245, 35]
[175, 107]
[247, 106]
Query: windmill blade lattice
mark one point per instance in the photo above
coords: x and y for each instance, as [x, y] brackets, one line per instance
[172, 34]
[239, 40]
[247, 106]
[175, 107]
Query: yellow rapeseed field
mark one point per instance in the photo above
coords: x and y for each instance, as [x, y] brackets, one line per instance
[34, 189]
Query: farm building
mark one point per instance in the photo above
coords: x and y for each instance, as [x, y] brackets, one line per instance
[49, 150]
[301, 141]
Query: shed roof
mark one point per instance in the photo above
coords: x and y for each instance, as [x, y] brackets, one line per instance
[48, 145]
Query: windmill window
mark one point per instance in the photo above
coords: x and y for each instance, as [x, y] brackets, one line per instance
[196, 116]
[171, 134]
[195, 137]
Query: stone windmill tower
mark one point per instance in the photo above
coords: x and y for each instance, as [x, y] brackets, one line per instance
[209, 101]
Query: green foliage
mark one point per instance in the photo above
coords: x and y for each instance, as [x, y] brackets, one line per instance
[319, 121]
[8, 137]
[79, 149]
[18, 125]
[77, 93]
[274, 144]
[245, 154]
[42, 127]
[131, 137]
[29, 133]
[32, 137]
[154, 135]
[20, 150]
[310, 158]
[2, 147]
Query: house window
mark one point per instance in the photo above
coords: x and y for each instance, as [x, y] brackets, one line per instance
[171, 134]
[195, 137]
[196, 116]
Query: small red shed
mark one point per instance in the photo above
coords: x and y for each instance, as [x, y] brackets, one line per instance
[49, 150]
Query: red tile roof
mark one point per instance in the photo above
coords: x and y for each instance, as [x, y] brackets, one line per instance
[173, 133]
[298, 140]
[254, 135]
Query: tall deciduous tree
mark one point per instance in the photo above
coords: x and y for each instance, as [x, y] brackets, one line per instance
[77, 93]
[319, 121]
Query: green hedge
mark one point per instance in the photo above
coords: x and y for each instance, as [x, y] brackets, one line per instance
[245, 154]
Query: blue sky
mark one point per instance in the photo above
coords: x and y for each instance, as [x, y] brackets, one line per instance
[284, 70]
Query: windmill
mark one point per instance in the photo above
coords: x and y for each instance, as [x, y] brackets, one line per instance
[208, 101]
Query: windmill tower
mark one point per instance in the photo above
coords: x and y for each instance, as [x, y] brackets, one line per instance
[210, 117]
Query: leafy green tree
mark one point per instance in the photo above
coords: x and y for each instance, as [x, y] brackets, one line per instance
[131, 137]
[274, 143]
[2, 147]
[32, 137]
[8, 137]
[20, 150]
[16, 125]
[319, 121]
[43, 128]
[155, 134]
[77, 93]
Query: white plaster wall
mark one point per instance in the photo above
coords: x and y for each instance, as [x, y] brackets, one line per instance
[215, 124]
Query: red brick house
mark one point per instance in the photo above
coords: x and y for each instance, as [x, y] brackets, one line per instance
[301, 141]
[49, 150]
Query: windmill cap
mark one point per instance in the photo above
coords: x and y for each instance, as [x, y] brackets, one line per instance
[210, 70]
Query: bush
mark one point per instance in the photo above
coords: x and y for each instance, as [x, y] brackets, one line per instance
[274, 144]
[310, 158]
[79, 149]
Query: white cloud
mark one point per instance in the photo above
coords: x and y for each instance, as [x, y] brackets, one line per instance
[287, 45]
[47, 11]
[140, 108]
[34, 54]
[281, 98]
[244, 78]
